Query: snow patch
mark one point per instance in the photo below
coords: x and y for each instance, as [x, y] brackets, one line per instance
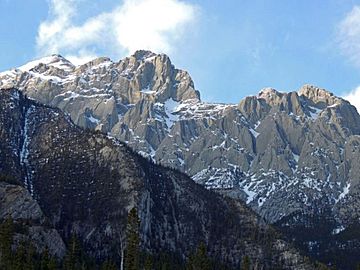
[94, 120]
[254, 133]
[314, 112]
[24, 153]
[250, 194]
[150, 59]
[148, 91]
[296, 157]
[182, 162]
[171, 107]
[54, 60]
[338, 230]
[345, 192]
[261, 201]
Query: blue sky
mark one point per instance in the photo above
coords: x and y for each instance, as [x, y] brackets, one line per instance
[231, 48]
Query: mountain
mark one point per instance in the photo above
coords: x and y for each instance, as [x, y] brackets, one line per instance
[292, 157]
[83, 182]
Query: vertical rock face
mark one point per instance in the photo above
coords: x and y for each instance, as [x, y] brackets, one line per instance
[86, 182]
[284, 154]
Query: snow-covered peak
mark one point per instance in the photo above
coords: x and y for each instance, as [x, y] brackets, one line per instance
[54, 60]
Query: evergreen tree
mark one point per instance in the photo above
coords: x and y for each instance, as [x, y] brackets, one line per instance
[199, 260]
[45, 259]
[19, 260]
[321, 266]
[52, 264]
[148, 264]
[202, 259]
[108, 265]
[30, 257]
[132, 240]
[72, 259]
[6, 237]
[245, 263]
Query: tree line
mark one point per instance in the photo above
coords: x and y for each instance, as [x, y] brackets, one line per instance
[25, 256]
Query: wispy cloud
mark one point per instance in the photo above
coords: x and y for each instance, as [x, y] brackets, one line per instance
[135, 24]
[348, 34]
[354, 97]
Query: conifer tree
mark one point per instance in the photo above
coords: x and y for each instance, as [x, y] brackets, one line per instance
[52, 264]
[45, 259]
[148, 264]
[19, 260]
[245, 263]
[132, 240]
[6, 237]
[199, 260]
[72, 259]
[321, 266]
[30, 257]
[108, 265]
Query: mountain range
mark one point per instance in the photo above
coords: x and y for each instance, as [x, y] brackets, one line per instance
[291, 157]
[84, 183]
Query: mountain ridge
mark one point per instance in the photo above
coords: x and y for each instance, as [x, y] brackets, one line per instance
[281, 153]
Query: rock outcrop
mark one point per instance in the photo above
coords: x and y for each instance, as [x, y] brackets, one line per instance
[16, 202]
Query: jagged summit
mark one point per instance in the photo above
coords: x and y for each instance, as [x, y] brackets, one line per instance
[268, 91]
[298, 101]
[143, 54]
[320, 97]
[310, 90]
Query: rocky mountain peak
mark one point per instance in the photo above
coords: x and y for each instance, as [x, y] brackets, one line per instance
[142, 55]
[101, 94]
[98, 61]
[269, 93]
[271, 96]
[319, 97]
[55, 60]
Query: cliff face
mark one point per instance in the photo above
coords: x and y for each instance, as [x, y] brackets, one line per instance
[85, 183]
[287, 155]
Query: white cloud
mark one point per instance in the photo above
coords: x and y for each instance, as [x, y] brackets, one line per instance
[354, 98]
[82, 57]
[135, 24]
[349, 35]
[51, 31]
